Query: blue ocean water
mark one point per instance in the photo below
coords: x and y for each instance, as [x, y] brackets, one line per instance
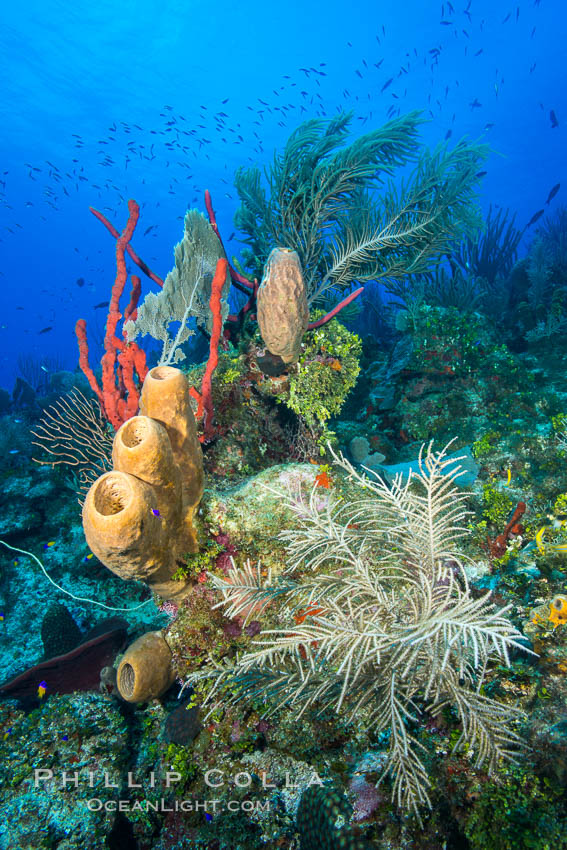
[158, 102]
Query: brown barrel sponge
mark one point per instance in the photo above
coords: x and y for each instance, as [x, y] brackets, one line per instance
[146, 670]
[282, 309]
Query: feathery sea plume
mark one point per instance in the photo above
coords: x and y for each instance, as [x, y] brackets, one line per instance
[382, 623]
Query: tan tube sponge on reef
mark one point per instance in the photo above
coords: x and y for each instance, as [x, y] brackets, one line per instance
[138, 518]
[282, 310]
[146, 670]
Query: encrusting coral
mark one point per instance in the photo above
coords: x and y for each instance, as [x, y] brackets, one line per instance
[138, 518]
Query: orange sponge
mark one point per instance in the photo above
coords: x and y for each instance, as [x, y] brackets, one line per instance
[558, 611]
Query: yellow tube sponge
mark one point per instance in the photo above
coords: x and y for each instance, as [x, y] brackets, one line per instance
[165, 398]
[138, 518]
[146, 670]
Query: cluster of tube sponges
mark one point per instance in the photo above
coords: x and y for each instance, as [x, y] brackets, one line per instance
[138, 518]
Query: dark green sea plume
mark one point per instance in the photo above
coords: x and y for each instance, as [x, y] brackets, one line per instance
[340, 209]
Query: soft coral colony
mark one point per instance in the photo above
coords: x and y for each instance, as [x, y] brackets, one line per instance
[380, 620]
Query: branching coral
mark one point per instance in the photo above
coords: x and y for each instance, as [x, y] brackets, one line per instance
[381, 620]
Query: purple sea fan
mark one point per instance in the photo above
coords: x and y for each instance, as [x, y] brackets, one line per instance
[224, 559]
[233, 629]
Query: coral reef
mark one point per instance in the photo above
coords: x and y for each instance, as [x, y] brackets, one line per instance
[366, 637]
[369, 633]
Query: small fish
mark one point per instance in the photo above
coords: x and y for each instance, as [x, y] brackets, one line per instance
[539, 538]
[481, 173]
[14, 452]
[80, 281]
[155, 512]
[537, 215]
[49, 545]
[64, 737]
[15, 562]
[553, 192]
[42, 689]
[2, 617]
[386, 84]
[100, 305]
[553, 119]
[88, 557]
[45, 330]
[7, 733]
[310, 611]
[208, 817]
[44, 368]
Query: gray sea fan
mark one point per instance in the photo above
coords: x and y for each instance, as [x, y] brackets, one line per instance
[379, 620]
[186, 292]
